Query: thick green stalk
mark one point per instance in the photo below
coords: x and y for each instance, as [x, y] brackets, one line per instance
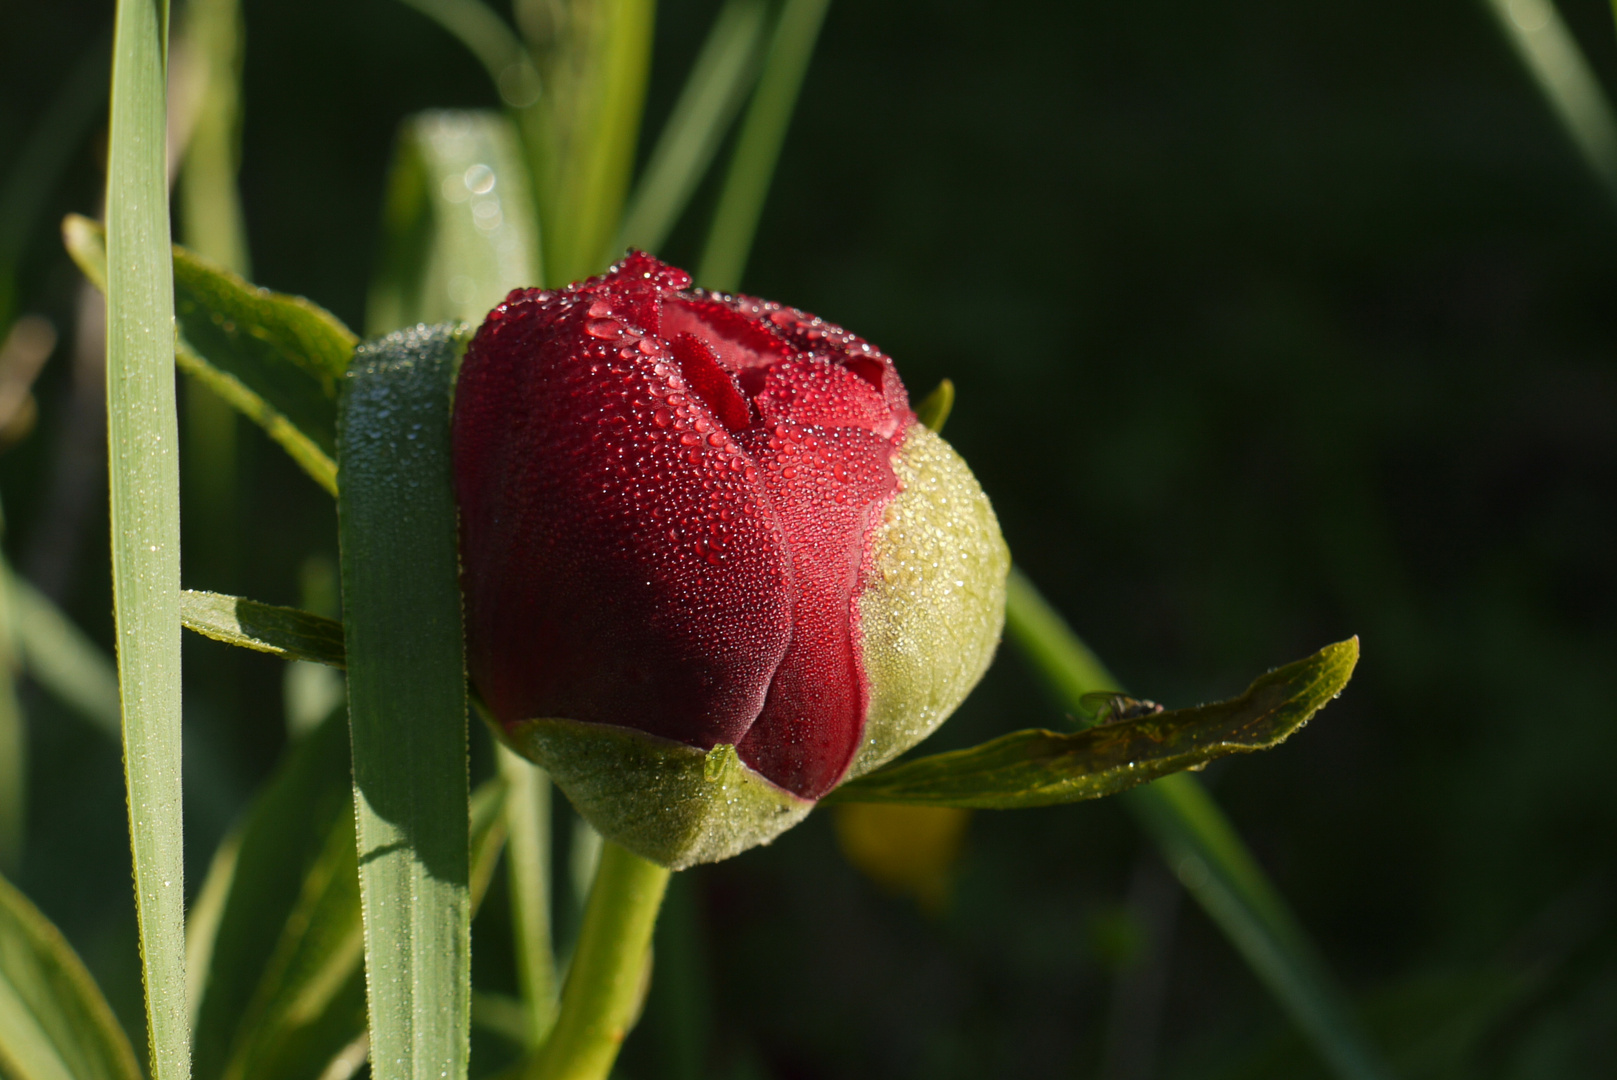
[1204, 849]
[763, 132]
[605, 981]
[142, 438]
[527, 815]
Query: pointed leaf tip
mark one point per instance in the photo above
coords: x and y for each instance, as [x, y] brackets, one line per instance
[1043, 768]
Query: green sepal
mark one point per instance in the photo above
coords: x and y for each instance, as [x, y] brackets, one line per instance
[674, 804]
[1043, 768]
[285, 632]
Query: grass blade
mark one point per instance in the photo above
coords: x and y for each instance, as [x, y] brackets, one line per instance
[1199, 842]
[763, 132]
[285, 632]
[528, 823]
[459, 223]
[61, 657]
[13, 744]
[407, 701]
[143, 440]
[487, 37]
[713, 93]
[582, 136]
[1569, 84]
[54, 1023]
[1043, 768]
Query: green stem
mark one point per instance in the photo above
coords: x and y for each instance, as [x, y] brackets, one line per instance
[604, 984]
[527, 814]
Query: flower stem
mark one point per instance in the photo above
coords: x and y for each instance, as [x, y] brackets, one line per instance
[604, 984]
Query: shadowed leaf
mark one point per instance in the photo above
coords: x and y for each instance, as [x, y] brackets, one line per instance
[54, 1023]
[283, 631]
[1042, 768]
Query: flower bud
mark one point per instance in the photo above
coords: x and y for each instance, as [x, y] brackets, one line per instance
[713, 565]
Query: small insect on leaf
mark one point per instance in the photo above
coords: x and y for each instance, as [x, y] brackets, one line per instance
[1111, 707]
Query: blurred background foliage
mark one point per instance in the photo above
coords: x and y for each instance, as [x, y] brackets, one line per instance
[1271, 323]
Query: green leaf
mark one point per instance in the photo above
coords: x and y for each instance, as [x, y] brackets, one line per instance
[61, 657]
[459, 228]
[934, 409]
[284, 989]
[142, 442]
[1043, 768]
[1203, 848]
[288, 932]
[54, 1023]
[407, 700]
[763, 133]
[713, 94]
[285, 632]
[275, 358]
[13, 743]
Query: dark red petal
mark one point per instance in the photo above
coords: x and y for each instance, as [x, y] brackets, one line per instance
[619, 564]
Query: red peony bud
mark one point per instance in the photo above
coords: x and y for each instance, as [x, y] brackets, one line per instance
[712, 563]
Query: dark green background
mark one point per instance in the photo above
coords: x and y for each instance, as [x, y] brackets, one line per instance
[1272, 323]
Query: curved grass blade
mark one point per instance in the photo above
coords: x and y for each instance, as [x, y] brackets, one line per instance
[1043, 768]
[1565, 77]
[275, 358]
[1199, 842]
[54, 1023]
[407, 701]
[763, 132]
[61, 657]
[487, 37]
[718, 83]
[283, 631]
[142, 441]
[459, 223]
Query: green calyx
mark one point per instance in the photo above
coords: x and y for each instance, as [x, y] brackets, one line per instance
[674, 804]
[933, 605]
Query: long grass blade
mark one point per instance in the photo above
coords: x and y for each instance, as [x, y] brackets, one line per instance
[527, 814]
[37, 168]
[1564, 76]
[487, 37]
[763, 133]
[713, 94]
[61, 658]
[407, 701]
[1205, 850]
[143, 437]
[54, 1023]
[583, 133]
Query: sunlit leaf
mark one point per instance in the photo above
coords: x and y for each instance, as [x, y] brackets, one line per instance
[1042, 768]
[407, 701]
[54, 1023]
[275, 358]
[283, 631]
